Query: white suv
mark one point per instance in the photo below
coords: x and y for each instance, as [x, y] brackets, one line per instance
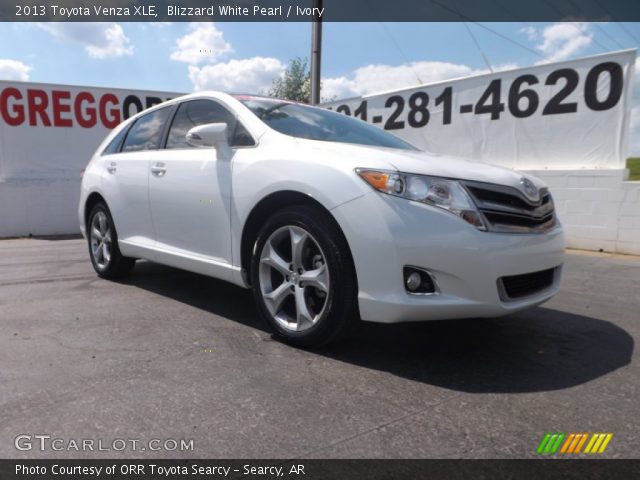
[327, 218]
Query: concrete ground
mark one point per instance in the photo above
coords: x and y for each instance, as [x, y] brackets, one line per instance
[173, 355]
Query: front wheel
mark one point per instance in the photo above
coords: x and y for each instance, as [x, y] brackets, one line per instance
[303, 277]
[105, 254]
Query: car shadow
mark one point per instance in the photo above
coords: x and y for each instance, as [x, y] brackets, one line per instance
[206, 293]
[539, 350]
[57, 238]
[534, 351]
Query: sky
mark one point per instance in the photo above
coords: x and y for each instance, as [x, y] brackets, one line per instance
[357, 58]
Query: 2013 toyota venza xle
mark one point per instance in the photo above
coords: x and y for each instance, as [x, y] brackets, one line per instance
[326, 218]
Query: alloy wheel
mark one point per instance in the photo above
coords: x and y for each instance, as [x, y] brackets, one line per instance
[100, 236]
[294, 278]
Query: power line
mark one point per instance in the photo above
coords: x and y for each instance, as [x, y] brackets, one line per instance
[604, 32]
[608, 35]
[497, 2]
[475, 41]
[506, 9]
[393, 40]
[406, 59]
[624, 29]
[484, 57]
[551, 5]
[618, 23]
[510, 40]
[504, 37]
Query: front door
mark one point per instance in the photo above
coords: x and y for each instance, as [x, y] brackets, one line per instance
[190, 194]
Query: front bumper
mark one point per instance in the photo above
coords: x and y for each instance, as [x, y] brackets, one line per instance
[385, 233]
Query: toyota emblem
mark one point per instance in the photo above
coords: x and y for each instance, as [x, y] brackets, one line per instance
[530, 190]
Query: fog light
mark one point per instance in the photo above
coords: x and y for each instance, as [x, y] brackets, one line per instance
[418, 281]
[413, 281]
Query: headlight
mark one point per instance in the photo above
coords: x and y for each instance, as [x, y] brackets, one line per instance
[439, 192]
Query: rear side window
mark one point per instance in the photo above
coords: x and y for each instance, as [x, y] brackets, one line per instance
[114, 145]
[199, 112]
[146, 132]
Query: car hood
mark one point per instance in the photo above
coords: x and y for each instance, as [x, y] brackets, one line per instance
[423, 163]
[427, 163]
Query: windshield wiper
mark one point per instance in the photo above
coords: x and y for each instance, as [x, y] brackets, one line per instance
[269, 110]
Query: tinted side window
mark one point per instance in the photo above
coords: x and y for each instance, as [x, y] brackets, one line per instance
[198, 112]
[146, 132]
[114, 145]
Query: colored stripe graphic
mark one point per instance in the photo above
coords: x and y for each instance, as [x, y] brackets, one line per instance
[581, 443]
[598, 442]
[543, 443]
[605, 442]
[593, 439]
[572, 443]
[552, 440]
[596, 445]
[567, 442]
[550, 443]
[557, 443]
[577, 437]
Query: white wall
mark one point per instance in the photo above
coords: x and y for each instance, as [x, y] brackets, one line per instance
[39, 207]
[598, 208]
[43, 153]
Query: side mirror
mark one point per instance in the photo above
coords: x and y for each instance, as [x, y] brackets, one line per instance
[208, 135]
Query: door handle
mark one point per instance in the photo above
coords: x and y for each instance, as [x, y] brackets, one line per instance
[158, 169]
[111, 168]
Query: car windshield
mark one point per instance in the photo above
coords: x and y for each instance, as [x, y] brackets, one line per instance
[315, 123]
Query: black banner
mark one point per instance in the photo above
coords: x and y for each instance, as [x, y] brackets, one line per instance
[547, 469]
[327, 10]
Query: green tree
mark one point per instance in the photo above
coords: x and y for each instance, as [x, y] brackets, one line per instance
[295, 85]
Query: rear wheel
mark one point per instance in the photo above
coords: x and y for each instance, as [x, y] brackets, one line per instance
[303, 277]
[105, 254]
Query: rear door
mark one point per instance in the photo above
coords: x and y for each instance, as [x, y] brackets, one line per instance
[126, 183]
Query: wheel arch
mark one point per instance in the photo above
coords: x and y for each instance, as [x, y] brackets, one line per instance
[264, 209]
[92, 200]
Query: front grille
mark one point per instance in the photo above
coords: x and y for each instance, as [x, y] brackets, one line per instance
[518, 286]
[506, 209]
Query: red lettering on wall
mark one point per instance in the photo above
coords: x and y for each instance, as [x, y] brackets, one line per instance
[57, 97]
[12, 115]
[86, 118]
[66, 108]
[111, 118]
[38, 102]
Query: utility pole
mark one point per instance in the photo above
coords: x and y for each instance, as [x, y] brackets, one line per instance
[316, 53]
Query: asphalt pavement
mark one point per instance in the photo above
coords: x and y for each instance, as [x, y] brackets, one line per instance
[171, 355]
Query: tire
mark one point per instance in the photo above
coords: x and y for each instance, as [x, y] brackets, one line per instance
[102, 239]
[303, 277]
